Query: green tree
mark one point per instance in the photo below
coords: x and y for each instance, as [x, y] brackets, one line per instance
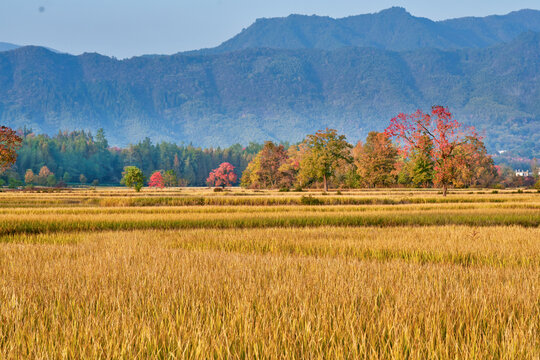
[170, 178]
[82, 179]
[66, 177]
[51, 180]
[422, 164]
[324, 152]
[133, 177]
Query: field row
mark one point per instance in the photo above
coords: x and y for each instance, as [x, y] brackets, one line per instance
[42, 223]
[460, 245]
[237, 198]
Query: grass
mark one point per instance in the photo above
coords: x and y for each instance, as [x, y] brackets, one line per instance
[380, 280]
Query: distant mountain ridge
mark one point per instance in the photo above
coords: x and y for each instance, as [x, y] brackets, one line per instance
[255, 94]
[391, 29]
[8, 46]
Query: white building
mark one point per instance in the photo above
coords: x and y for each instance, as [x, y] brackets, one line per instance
[522, 172]
[525, 172]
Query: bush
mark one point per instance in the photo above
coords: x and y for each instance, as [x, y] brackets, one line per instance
[309, 200]
[218, 189]
[537, 185]
[298, 189]
[284, 189]
[494, 191]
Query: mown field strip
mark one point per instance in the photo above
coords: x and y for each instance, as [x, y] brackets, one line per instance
[236, 199]
[264, 209]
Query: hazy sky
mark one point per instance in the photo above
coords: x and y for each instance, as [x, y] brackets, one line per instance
[125, 28]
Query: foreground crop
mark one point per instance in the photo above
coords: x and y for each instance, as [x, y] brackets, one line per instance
[417, 290]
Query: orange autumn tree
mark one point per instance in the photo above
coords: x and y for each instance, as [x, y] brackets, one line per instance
[449, 137]
[9, 143]
[376, 160]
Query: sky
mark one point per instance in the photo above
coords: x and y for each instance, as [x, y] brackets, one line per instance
[126, 28]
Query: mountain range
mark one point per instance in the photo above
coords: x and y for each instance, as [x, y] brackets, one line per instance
[283, 78]
[8, 46]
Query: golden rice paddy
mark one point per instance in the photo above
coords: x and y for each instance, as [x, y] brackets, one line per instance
[189, 273]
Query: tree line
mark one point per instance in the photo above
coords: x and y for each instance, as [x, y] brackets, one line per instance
[79, 157]
[420, 150]
[416, 150]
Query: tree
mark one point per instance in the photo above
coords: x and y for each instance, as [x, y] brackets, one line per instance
[375, 160]
[324, 151]
[170, 178]
[264, 171]
[446, 133]
[51, 180]
[82, 179]
[272, 157]
[222, 176]
[66, 177]
[478, 167]
[133, 177]
[250, 176]
[9, 143]
[422, 164]
[43, 177]
[29, 177]
[156, 180]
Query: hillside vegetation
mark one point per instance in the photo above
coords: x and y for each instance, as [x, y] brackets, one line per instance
[244, 93]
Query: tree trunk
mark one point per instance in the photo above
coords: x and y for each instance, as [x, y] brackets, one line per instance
[325, 184]
[444, 189]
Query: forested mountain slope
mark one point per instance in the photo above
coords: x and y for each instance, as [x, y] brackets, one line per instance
[274, 94]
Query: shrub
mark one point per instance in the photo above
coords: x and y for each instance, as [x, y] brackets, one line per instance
[284, 189]
[218, 189]
[309, 200]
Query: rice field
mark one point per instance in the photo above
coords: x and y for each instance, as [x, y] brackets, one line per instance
[194, 274]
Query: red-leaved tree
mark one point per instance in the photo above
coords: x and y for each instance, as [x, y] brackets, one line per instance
[156, 180]
[223, 176]
[9, 143]
[446, 133]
